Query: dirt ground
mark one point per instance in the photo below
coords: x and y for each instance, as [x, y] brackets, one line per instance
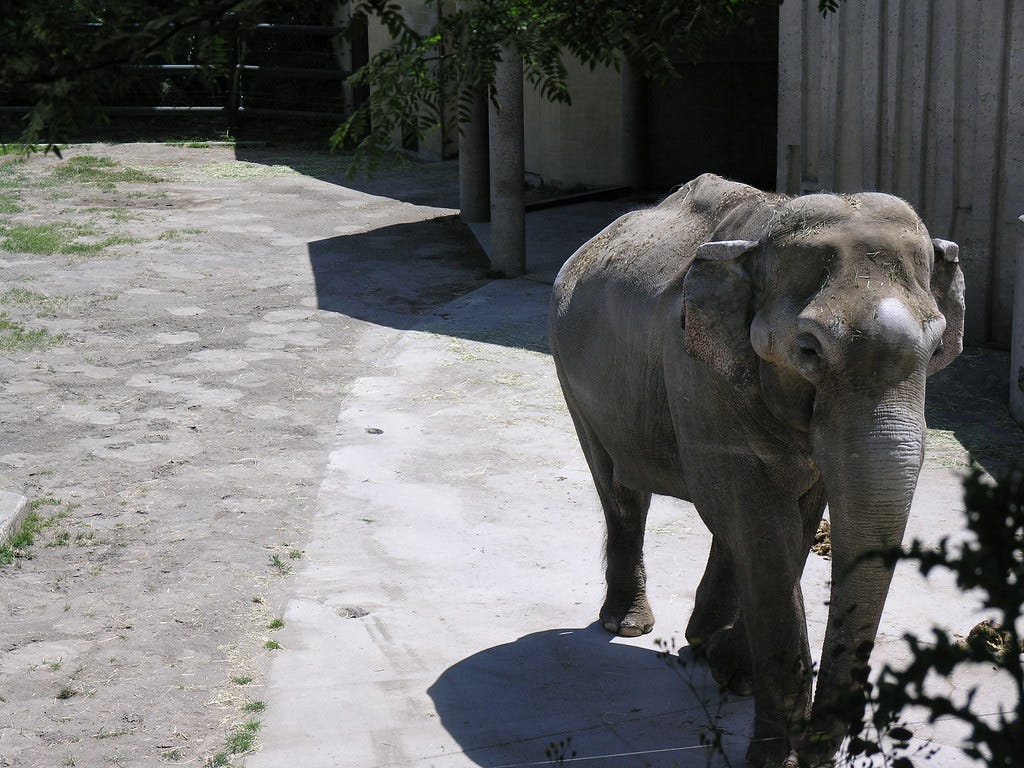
[178, 327]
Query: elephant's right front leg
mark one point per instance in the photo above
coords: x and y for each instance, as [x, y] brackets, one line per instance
[626, 610]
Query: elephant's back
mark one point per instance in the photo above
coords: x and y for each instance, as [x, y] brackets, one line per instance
[643, 252]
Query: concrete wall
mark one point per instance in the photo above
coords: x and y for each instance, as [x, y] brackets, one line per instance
[581, 144]
[924, 99]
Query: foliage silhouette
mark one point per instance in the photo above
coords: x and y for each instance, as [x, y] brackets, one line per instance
[988, 560]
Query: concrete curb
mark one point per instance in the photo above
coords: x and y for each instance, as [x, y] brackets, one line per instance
[13, 509]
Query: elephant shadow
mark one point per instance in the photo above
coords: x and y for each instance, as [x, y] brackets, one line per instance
[579, 695]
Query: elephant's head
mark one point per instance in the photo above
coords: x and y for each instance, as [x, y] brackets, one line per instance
[834, 318]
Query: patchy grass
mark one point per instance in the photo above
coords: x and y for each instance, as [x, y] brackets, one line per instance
[16, 149]
[43, 501]
[241, 680]
[26, 533]
[103, 171]
[9, 203]
[114, 214]
[41, 304]
[23, 538]
[242, 170]
[50, 239]
[178, 234]
[280, 565]
[272, 645]
[224, 139]
[10, 177]
[276, 624]
[14, 336]
[241, 741]
[253, 707]
[112, 734]
[139, 195]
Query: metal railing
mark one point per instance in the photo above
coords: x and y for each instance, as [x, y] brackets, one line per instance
[233, 95]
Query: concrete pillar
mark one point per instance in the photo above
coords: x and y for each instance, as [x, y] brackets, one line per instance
[634, 129]
[1017, 345]
[505, 126]
[474, 163]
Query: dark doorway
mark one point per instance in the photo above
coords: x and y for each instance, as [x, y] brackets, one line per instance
[721, 115]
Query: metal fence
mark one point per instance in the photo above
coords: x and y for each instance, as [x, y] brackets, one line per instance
[287, 72]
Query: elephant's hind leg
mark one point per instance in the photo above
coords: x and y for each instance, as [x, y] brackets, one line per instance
[717, 603]
[716, 629]
[626, 610]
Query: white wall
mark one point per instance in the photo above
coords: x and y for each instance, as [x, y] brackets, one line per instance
[923, 99]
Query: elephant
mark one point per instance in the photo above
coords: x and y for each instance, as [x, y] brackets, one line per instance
[760, 356]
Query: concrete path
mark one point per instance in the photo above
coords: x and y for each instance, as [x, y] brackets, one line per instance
[13, 508]
[445, 614]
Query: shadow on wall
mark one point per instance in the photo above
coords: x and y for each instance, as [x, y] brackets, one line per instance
[621, 705]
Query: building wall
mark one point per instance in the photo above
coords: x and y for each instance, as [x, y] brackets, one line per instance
[923, 99]
[581, 144]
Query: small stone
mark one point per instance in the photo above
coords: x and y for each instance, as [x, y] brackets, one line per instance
[352, 612]
[374, 431]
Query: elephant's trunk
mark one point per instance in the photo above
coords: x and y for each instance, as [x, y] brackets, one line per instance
[869, 450]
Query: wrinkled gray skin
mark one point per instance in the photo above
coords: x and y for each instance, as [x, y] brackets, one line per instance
[760, 356]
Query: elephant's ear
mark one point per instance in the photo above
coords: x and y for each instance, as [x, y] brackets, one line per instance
[717, 294]
[948, 290]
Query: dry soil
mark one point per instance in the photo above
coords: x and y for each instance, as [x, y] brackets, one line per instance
[178, 328]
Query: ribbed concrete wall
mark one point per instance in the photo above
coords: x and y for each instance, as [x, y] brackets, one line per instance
[923, 99]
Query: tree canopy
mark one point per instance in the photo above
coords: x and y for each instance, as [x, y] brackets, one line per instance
[69, 58]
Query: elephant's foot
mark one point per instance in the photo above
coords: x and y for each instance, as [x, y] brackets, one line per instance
[771, 753]
[699, 630]
[819, 743]
[729, 659]
[628, 617]
[768, 759]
